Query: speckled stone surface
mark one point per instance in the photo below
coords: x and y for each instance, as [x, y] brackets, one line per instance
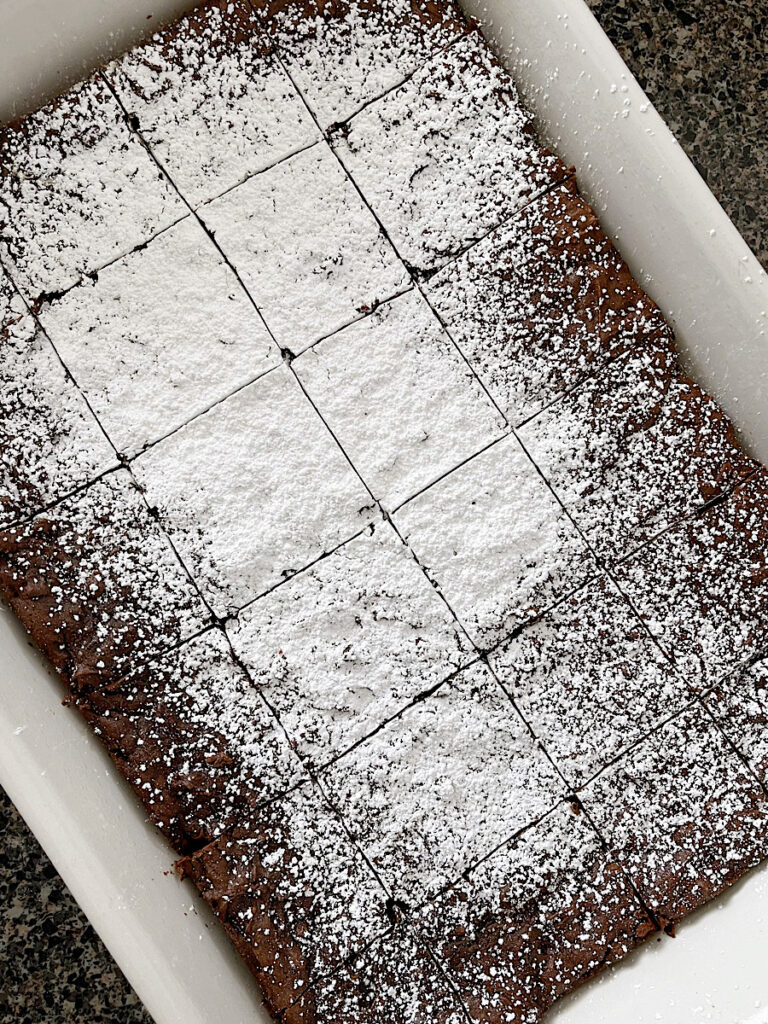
[701, 63]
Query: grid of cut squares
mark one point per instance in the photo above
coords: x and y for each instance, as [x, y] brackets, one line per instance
[682, 813]
[346, 644]
[97, 584]
[50, 443]
[343, 54]
[442, 785]
[702, 587]
[211, 100]
[252, 491]
[447, 156]
[536, 918]
[194, 739]
[589, 679]
[77, 190]
[635, 448]
[493, 538]
[293, 892]
[159, 336]
[399, 397]
[543, 301]
[306, 247]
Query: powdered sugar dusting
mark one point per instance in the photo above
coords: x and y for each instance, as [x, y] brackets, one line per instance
[211, 100]
[348, 643]
[76, 190]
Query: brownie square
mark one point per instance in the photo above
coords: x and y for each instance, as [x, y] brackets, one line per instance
[589, 679]
[740, 705]
[394, 981]
[77, 190]
[211, 99]
[195, 740]
[683, 815]
[346, 644]
[159, 336]
[448, 155]
[635, 448]
[542, 301]
[495, 542]
[546, 911]
[294, 894]
[241, 518]
[306, 247]
[442, 785]
[400, 398]
[342, 55]
[96, 583]
[702, 587]
[50, 443]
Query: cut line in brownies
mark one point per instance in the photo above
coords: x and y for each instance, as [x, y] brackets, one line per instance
[352, 486]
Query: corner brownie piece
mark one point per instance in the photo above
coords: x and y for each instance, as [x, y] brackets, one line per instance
[348, 642]
[76, 190]
[395, 981]
[343, 53]
[50, 442]
[683, 815]
[242, 517]
[635, 448]
[294, 894]
[442, 785]
[740, 705]
[589, 679]
[195, 740]
[448, 155]
[702, 587]
[211, 100]
[402, 402]
[96, 583]
[542, 301]
[306, 247]
[496, 542]
[546, 911]
[159, 336]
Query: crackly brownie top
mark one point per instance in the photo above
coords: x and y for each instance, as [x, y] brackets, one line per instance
[211, 99]
[76, 190]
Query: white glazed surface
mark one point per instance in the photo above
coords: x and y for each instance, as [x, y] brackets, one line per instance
[686, 251]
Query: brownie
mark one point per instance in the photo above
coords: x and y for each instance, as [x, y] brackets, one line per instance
[589, 679]
[344, 645]
[394, 981]
[683, 815]
[400, 398]
[448, 155]
[194, 739]
[740, 705]
[543, 913]
[702, 587]
[344, 53]
[495, 541]
[294, 894]
[76, 190]
[635, 448]
[96, 583]
[211, 99]
[442, 785]
[542, 301]
[306, 246]
[50, 443]
[161, 335]
[242, 519]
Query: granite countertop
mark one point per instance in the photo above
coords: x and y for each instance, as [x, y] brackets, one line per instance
[702, 64]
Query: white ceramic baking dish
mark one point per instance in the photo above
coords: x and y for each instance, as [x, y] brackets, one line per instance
[691, 258]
